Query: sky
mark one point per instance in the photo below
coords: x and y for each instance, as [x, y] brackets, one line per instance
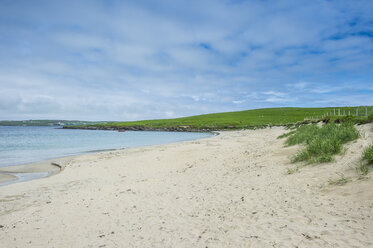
[135, 60]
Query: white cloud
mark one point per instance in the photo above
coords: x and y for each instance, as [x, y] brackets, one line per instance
[239, 101]
[123, 60]
[274, 93]
[299, 85]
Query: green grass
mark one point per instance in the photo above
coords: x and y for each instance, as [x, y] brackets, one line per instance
[349, 118]
[342, 180]
[290, 171]
[321, 143]
[286, 134]
[302, 134]
[255, 118]
[368, 154]
[367, 161]
[363, 168]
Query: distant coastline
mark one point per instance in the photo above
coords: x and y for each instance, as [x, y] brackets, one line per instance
[57, 123]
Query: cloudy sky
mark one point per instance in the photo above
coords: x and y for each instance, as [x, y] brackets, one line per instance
[131, 60]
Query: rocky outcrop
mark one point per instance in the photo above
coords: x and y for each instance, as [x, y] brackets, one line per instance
[142, 128]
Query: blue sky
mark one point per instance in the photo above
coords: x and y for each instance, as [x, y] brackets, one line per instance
[132, 60]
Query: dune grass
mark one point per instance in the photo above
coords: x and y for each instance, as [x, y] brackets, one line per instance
[363, 168]
[342, 180]
[367, 161]
[290, 171]
[321, 143]
[286, 134]
[368, 155]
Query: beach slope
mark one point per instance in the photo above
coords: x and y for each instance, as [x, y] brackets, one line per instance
[230, 190]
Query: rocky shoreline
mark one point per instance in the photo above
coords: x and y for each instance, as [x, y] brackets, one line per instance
[143, 128]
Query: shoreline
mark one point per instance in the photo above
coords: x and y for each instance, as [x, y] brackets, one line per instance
[145, 129]
[45, 168]
[229, 190]
[32, 171]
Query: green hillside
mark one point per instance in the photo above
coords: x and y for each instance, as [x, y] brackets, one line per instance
[234, 120]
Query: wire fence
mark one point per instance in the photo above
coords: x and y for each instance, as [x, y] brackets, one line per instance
[345, 111]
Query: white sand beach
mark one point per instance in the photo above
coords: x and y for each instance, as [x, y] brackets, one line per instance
[230, 190]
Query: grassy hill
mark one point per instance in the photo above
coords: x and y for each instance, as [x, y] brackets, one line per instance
[234, 120]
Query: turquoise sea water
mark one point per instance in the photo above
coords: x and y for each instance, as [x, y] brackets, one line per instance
[20, 145]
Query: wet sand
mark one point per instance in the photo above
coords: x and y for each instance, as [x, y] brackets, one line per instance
[27, 172]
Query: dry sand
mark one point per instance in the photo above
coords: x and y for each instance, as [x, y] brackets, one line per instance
[226, 191]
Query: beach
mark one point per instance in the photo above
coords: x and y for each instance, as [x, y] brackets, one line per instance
[230, 190]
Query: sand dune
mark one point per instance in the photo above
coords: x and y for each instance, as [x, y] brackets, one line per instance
[226, 191]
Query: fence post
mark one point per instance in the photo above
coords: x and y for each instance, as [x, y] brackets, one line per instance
[357, 112]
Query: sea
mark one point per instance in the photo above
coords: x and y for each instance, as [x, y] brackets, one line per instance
[28, 144]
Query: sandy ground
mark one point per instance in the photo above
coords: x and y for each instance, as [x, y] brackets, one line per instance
[231, 190]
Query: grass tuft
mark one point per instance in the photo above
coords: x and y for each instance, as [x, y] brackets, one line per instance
[342, 180]
[302, 134]
[368, 154]
[321, 143]
[290, 171]
[286, 134]
[363, 168]
[367, 161]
